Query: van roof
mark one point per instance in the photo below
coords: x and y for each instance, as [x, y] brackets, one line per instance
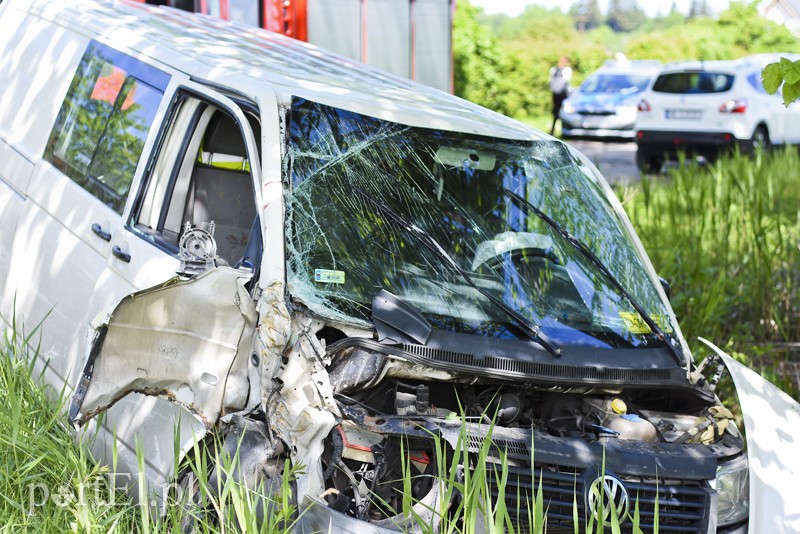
[247, 58]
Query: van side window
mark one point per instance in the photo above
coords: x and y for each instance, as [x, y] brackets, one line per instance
[201, 177]
[104, 121]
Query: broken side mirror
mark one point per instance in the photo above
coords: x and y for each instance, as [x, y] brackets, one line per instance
[396, 321]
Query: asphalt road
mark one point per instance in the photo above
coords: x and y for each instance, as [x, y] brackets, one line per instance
[615, 159]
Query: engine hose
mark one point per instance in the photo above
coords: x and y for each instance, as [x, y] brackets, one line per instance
[336, 455]
[360, 507]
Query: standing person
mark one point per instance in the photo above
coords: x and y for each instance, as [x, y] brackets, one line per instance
[560, 75]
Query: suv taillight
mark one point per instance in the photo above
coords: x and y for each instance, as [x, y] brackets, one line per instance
[734, 106]
[644, 106]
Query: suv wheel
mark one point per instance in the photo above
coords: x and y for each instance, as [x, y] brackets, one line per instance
[760, 140]
[648, 163]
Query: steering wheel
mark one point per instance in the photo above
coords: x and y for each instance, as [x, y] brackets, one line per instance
[519, 256]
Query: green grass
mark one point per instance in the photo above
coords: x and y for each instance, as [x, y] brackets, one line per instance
[726, 237]
[49, 483]
[542, 123]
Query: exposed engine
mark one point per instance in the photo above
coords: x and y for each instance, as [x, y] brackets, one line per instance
[393, 415]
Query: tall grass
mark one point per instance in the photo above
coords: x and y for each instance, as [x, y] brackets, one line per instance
[50, 483]
[726, 237]
[47, 483]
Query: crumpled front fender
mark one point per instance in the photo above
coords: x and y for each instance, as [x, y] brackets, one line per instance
[772, 421]
[177, 341]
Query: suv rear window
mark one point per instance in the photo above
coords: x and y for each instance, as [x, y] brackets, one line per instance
[693, 82]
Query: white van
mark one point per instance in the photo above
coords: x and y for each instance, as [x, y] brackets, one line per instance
[222, 228]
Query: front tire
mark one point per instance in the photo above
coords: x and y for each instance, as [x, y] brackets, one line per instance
[759, 140]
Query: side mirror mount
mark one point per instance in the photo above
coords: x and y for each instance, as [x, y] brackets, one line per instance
[665, 287]
[397, 321]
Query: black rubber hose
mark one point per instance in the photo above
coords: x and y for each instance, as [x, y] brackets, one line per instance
[336, 456]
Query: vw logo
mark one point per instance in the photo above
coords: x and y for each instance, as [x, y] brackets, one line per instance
[607, 493]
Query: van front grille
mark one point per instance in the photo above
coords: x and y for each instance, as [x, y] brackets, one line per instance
[681, 504]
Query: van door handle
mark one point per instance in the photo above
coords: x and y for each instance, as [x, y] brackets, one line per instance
[98, 231]
[119, 253]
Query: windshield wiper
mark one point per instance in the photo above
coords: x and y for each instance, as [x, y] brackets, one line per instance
[532, 331]
[597, 262]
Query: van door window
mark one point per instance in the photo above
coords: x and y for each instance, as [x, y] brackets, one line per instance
[104, 121]
[201, 176]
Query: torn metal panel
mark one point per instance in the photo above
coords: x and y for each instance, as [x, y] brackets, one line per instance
[177, 341]
[772, 421]
[297, 394]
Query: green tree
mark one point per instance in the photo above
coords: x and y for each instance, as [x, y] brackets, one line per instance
[698, 8]
[751, 33]
[533, 43]
[587, 15]
[480, 67]
[625, 15]
[507, 69]
[674, 17]
[739, 31]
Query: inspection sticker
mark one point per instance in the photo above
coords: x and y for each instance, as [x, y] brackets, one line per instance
[634, 322]
[327, 276]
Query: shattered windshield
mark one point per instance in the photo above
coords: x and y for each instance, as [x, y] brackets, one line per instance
[348, 172]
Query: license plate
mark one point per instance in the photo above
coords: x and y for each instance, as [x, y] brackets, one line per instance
[592, 122]
[684, 114]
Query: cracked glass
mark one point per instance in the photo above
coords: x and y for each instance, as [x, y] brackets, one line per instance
[370, 201]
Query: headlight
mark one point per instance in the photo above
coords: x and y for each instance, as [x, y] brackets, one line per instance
[733, 490]
[567, 107]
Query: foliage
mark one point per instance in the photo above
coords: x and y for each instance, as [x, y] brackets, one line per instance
[47, 482]
[587, 14]
[507, 69]
[482, 71]
[625, 15]
[727, 239]
[670, 20]
[50, 484]
[698, 8]
[739, 31]
[786, 73]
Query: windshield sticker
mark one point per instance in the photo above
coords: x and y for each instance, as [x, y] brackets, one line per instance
[327, 276]
[634, 323]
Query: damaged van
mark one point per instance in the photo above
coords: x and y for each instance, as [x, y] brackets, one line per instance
[223, 229]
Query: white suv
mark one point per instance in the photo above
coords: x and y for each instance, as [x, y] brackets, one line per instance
[702, 107]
